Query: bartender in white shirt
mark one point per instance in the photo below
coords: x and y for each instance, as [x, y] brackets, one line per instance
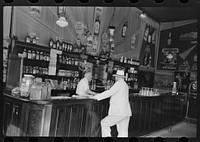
[83, 86]
[119, 110]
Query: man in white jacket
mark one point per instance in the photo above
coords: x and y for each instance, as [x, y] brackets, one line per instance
[119, 110]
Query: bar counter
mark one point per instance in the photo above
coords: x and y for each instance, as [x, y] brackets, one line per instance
[81, 117]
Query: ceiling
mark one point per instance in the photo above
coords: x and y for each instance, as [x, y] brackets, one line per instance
[166, 14]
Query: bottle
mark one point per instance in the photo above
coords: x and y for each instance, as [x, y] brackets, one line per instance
[41, 55]
[25, 53]
[67, 60]
[48, 57]
[70, 62]
[125, 60]
[169, 39]
[135, 85]
[122, 59]
[33, 55]
[24, 69]
[34, 70]
[29, 54]
[174, 89]
[37, 55]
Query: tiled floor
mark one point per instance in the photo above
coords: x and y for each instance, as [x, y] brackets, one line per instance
[182, 129]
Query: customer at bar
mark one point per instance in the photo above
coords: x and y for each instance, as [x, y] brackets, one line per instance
[119, 111]
[83, 86]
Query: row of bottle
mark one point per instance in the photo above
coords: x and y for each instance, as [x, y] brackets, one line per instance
[36, 55]
[68, 84]
[61, 46]
[93, 85]
[68, 60]
[128, 61]
[68, 73]
[35, 70]
[145, 91]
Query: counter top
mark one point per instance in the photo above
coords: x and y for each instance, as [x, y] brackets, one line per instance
[76, 100]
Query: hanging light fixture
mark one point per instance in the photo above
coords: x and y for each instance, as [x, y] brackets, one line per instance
[62, 22]
[112, 28]
[143, 15]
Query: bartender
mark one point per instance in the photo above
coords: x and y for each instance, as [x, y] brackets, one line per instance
[83, 86]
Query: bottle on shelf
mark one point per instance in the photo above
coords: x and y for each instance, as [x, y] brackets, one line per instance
[29, 54]
[135, 85]
[60, 59]
[169, 39]
[25, 53]
[70, 62]
[33, 55]
[44, 56]
[48, 57]
[125, 60]
[34, 70]
[41, 55]
[122, 59]
[37, 55]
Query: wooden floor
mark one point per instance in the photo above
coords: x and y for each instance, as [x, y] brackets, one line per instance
[182, 129]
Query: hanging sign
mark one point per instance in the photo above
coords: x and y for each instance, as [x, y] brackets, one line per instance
[97, 23]
[133, 39]
[95, 46]
[89, 44]
[79, 27]
[35, 11]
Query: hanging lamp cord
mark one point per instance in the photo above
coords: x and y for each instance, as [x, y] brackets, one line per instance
[112, 19]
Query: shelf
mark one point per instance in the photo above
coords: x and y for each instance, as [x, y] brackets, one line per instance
[71, 54]
[21, 44]
[50, 76]
[66, 67]
[31, 62]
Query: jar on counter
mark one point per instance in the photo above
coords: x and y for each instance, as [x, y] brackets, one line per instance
[27, 81]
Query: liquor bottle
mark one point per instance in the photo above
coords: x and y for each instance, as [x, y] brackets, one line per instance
[33, 55]
[44, 56]
[125, 60]
[60, 58]
[48, 57]
[41, 55]
[68, 47]
[67, 60]
[131, 62]
[24, 69]
[135, 85]
[29, 54]
[30, 69]
[34, 70]
[37, 55]
[25, 53]
[169, 39]
[122, 59]
[70, 62]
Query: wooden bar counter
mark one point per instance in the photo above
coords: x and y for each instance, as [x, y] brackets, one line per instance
[81, 117]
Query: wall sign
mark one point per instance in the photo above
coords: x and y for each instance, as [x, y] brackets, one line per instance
[169, 58]
[79, 27]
